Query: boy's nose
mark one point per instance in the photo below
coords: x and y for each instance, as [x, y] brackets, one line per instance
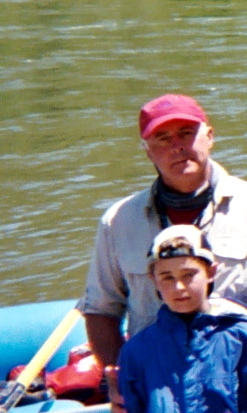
[180, 285]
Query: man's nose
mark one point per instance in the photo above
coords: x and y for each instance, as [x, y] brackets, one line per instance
[176, 143]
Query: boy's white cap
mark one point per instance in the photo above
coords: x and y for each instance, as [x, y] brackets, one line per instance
[198, 246]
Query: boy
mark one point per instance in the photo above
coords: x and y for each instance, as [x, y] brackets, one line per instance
[193, 359]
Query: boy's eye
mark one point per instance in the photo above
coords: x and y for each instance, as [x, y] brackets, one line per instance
[167, 278]
[189, 274]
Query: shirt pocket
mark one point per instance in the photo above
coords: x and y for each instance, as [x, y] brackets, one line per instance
[143, 301]
[230, 247]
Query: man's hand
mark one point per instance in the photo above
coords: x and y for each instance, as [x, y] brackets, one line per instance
[117, 401]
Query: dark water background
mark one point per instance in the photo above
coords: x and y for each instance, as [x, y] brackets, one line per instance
[73, 75]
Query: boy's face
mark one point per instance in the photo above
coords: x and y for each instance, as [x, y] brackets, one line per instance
[183, 283]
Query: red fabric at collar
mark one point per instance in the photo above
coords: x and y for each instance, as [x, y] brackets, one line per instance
[182, 217]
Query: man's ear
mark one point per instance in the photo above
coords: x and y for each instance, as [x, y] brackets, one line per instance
[210, 134]
[146, 149]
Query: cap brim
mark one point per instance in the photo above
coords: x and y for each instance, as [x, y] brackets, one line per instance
[156, 123]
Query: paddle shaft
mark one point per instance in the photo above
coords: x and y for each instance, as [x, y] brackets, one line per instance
[48, 349]
[10, 396]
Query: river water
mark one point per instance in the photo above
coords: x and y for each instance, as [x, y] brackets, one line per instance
[73, 75]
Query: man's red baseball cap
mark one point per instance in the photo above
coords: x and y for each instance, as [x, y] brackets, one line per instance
[168, 107]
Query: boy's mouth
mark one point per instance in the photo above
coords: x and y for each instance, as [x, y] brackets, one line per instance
[182, 299]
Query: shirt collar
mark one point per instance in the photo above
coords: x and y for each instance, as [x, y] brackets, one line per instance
[225, 186]
[150, 203]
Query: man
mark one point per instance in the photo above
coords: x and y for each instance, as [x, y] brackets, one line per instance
[190, 188]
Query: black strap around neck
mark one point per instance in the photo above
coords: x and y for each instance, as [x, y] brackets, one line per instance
[166, 197]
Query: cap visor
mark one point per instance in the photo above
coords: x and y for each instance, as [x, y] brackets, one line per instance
[156, 123]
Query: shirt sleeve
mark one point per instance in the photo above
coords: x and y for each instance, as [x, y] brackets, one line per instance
[106, 290]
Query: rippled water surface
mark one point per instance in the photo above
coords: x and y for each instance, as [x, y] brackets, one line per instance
[73, 76]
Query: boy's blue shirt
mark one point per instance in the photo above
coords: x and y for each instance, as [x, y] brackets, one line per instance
[195, 366]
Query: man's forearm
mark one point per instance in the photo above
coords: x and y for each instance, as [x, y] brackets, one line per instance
[105, 337]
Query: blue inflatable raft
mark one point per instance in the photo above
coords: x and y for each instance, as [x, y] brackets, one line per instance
[24, 329]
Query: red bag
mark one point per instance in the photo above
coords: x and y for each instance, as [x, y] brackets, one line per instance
[81, 379]
[83, 371]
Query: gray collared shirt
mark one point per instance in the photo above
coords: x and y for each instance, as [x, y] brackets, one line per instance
[118, 283]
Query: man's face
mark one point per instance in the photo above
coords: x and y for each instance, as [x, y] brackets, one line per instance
[183, 283]
[180, 149]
